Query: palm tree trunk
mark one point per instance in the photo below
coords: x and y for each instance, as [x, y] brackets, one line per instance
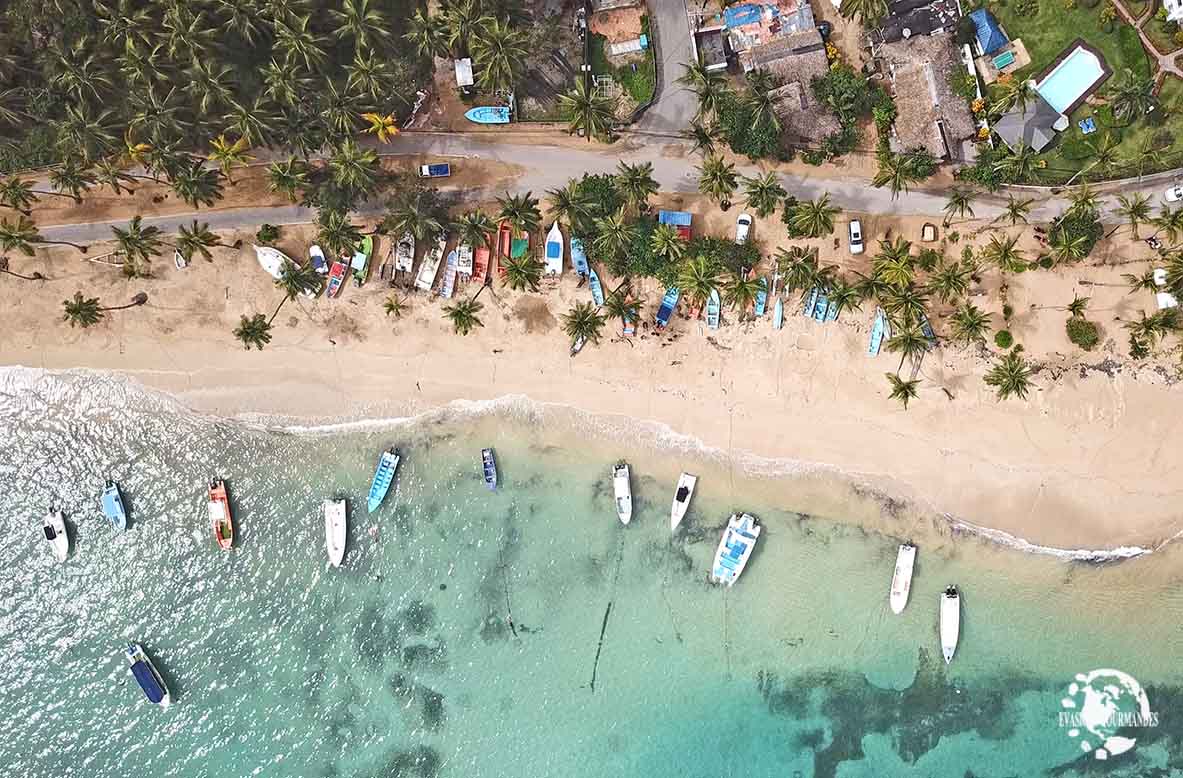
[276, 312]
[54, 194]
[82, 248]
[21, 211]
[132, 304]
[34, 277]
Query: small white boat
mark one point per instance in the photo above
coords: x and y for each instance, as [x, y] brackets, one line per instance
[430, 265]
[554, 251]
[271, 260]
[682, 497]
[463, 262]
[335, 530]
[901, 581]
[623, 489]
[54, 528]
[404, 253]
[950, 621]
[179, 260]
[735, 548]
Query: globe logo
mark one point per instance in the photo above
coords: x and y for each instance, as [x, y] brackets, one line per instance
[1100, 710]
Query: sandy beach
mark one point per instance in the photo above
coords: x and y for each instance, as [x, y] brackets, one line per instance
[1085, 462]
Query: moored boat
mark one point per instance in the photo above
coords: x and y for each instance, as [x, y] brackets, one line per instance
[554, 250]
[682, 496]
[112, 503]
[448, 283]
[272, 260]
[735, 548]
[147, 676]
[489, 467]
[761, 297]
[597, 289]
[878, 331]
[360, 264]
[383, 477]
[901, 580]
[404, 254]
[337, 277]
[430, 265]
[714, 309]
[179, 260]
[579, 257]
[336, 519]
[622, 488]
[668, 303]
[504, 244]
[219, 514]
[778, 314]
[464, 266]
[480, 265]
[811, 302]
[53, 527]
[317, 257]
[950, 621]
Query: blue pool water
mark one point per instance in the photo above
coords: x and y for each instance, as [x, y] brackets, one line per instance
[1074, 77]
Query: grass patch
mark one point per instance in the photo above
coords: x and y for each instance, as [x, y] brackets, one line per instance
[1162, 34]
[638, 79]
[1136, 7]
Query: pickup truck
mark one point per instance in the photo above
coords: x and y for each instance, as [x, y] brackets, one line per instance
[438, 170]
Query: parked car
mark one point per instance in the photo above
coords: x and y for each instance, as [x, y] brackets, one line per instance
[743, 227]
[438, 170]
[856, 236]
[1173, 194]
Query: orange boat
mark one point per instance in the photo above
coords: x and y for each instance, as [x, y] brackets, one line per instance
[219, 514]
[480, 265]
[504, 245]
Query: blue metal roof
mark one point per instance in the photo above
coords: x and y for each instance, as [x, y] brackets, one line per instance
[676, 218]
[739, 15]
[989, 35]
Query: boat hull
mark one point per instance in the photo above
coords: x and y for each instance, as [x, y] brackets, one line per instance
[430, 266]
[53, 527]
[735, 549]
[623, 491]
[271, 260]
[778, 314]
[488, 114]
[383, 477]
[950, 622]
[682, 496]
[554, 251]
[714, 310]
[489, 468]
[901, 580]
[220, 516]
[147, 676]
[597, 288]
[112, 503]
[337, 278]
[336, 528]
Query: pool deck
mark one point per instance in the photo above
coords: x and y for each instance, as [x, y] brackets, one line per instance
[1106, 71]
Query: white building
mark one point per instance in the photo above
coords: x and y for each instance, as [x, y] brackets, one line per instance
[1174, 9]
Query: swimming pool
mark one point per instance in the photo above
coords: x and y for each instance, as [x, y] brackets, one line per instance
[1076, 76]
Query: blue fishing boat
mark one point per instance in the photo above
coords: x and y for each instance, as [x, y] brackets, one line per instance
[877, 332]
[579, 258]
[147, 676]
[489, 466]
[714, 309]
[668, 303]
[735, 548]
[778, 314]
[832, 311]
[762, 297]
[383, 477]
[597, 289]
[488, 114]
[819, 310]
[926, 328]
[810, 302]
[112, 504]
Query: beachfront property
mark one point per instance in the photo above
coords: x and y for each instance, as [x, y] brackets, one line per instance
[794, 60]
[1034, 125]
[930, 113]
[752, 24]
[995, 53]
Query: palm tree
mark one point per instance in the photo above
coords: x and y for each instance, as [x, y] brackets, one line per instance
[72, 179]
[1143, 283]
[1068, 247]
[814, 218]
[252, 121]
[383, 127]
[844, 296]
[1003, 253]
[1083, 199]
[475, 228]
[763, 193]
[18, 194]
[354, 168]
[464, 21]
[620, 304]
[254, 331]
[426, 34]
[613, 235]
[909, 342]
[1017, 210]
[895, 171]
[1135, 209]
[666, 242]
[108, 173]
[717, 179]
[583, 323]
[501, 55]
[1010, 376]
[703, 137]
[368, 75]
[1132, 97]
[905, 306]
[296, 41]
[636, 184]
[697, 278]
[893, 263]
[740, 291]
[285, 82]
[22, 234]
[901, 389]
[295, 280]
[1169, 221]
[522, 272]
[85, 311]
[960, 203]
[197, 239]
[1078, 306]
[79, 133]
[568, 204]
[708, 85]
[588, 112]
[760, 101]
[1016, 93]
[871, 12]
[196, 184]
[464, 315]
[336, 233]
[226, 154]
[289, 177]
[138, 244]
[413, 212]
[360, 22]
[970, 324]
[950, 281]
[520, 211]
[208, 85]
[797, 265]
[394, 306]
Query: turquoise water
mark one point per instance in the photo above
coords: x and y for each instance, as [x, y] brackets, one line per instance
[405, 662]
[1071, 79]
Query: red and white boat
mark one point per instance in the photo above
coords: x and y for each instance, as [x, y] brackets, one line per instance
[480, 265]
[219, 514]
[337, 275]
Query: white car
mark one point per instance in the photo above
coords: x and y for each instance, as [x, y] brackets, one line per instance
[1174, 194]
[856, 236]
[743, 227]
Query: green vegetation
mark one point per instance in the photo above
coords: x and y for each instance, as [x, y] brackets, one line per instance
[1003, 339]
[639, 78]
[267, 234]
[851, 97]
[1082, 332]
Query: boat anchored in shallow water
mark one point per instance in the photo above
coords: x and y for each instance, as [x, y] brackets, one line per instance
[383, 477]
[623, 489]
[112, 504]
[735, 548]
[219, 514]
[950, 621]
[682, 497]
[147, 676]
[335, 512]
[53, 527]
[901, 580]
[489, 467]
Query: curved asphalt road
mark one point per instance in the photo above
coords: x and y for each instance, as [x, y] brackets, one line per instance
[552, 166]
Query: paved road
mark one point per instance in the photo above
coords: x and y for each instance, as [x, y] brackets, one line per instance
[675, 104]
[552, 166]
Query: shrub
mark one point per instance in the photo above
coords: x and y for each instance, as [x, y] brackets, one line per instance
[1003, 339]
[1046, 262]
[966, 30]
[267, 234]
[1027, 7]
[1082, 332]
[1008, 311]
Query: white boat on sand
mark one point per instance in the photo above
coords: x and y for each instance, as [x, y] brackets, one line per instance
[404, 254]
[430, 265]
[623, 489]
[950, 621]
[682, 497]
[271, 260]
[54, 528]
[901, 581]
[735, 548]
[554, 251]
[335, 530]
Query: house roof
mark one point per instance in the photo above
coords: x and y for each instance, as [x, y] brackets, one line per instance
[1033, 126]
[989, 34]
[793, 61]
[911, 18]
[463, 72]
[753, 23]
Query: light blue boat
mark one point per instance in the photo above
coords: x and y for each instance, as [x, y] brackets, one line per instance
[832, 311]
[579, 258]
[668, 303]
[778, 314]
[112, 504]
[714, 309]
[926, 328]
[597, 289]
[819, 310]
[810, 302]
[488, 114]
[762, 297]
[383, 477]
[877, 332]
